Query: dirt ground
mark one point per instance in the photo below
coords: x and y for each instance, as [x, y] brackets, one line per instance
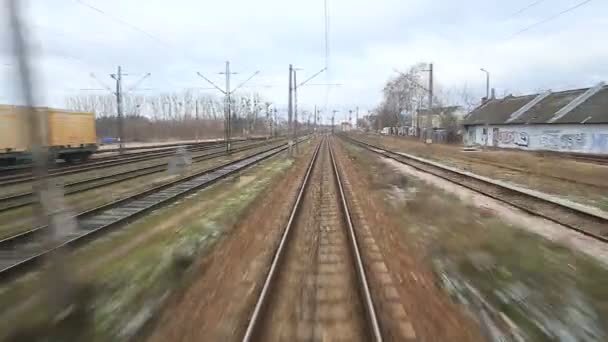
[513, 282]
[578, 181]
[315, 296]
[134, 268]
[433, 315]
[216, 305]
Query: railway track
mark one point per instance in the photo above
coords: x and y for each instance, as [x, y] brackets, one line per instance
[585, 221]
[26, 198]
[20, 253]
[582, 157]
[317, 287]
[100, 163]
[572, 180]
[23, 168]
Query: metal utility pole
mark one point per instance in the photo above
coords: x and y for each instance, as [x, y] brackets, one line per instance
[430, 86]
[290, 109]
[268, 121]
[487, 126]
[227, 108]
[332, 120]
[274, 124]
[315, 118]
[295, 109]
[227, 100]
[430, 105]
[121, 123]
[292, 72]
[197, 122]
[357, 118]
[118, 92]
[487, 83]
[430, 120]
[350, 116]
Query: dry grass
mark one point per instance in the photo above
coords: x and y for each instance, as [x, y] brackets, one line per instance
[131, 281]
[578, 181]
[536, 283]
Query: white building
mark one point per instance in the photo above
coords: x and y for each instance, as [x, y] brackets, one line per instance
[346, 126]
[567, 121]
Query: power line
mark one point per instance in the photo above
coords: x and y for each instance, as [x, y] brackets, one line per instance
[580, 4]
[125, 23]
[534, 3]
[172, 48]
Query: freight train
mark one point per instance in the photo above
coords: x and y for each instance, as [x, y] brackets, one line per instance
[70, 135]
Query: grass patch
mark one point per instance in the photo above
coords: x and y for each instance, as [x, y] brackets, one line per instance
[20, 219]
[130, 286]
[550, 292]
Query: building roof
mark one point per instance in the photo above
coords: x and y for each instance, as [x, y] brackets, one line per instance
[587, 105]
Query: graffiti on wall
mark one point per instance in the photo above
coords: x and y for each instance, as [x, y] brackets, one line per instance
[554, 140]
[567, 139]
[599, 142]
[514, 137]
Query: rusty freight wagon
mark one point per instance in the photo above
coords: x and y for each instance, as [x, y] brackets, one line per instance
[70, 135]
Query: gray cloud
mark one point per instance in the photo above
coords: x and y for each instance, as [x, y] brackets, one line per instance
[368, 39]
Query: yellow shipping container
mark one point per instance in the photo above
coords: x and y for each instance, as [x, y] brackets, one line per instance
[71, 129]
[69, 134]
[14, 135]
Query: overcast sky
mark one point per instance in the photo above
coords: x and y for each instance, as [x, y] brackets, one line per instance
[368, 39]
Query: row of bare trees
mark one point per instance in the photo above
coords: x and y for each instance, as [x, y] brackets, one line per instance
[178, 115]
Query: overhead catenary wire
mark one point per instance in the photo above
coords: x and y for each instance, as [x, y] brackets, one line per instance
[525, 8]
[125, 23]
[553, 17]
[172, 48]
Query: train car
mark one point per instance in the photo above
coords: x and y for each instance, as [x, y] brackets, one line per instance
[70, 135]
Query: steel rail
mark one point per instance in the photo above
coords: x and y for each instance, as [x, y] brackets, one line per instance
[263, 299]
[272, 272]
[18, 170]
[24, 199]
[6, 171]
[96, 165]
[567, 214]
[370, 308]
[19, 254]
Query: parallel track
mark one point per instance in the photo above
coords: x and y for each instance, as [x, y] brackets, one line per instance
[326, 255]
[25, 251]
[582, 157]
[586, 222]
[24, 199]
[100, 164]
[24, 168]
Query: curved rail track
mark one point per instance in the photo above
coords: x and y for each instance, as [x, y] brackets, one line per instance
[317, 277]
[26, 198]
[585, 221]
[22, 252]
[100, 163]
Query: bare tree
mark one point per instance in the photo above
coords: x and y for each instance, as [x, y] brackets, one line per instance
[401, 94]
[171, 115]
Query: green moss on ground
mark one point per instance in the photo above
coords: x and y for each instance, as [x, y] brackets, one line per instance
[130, 287]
